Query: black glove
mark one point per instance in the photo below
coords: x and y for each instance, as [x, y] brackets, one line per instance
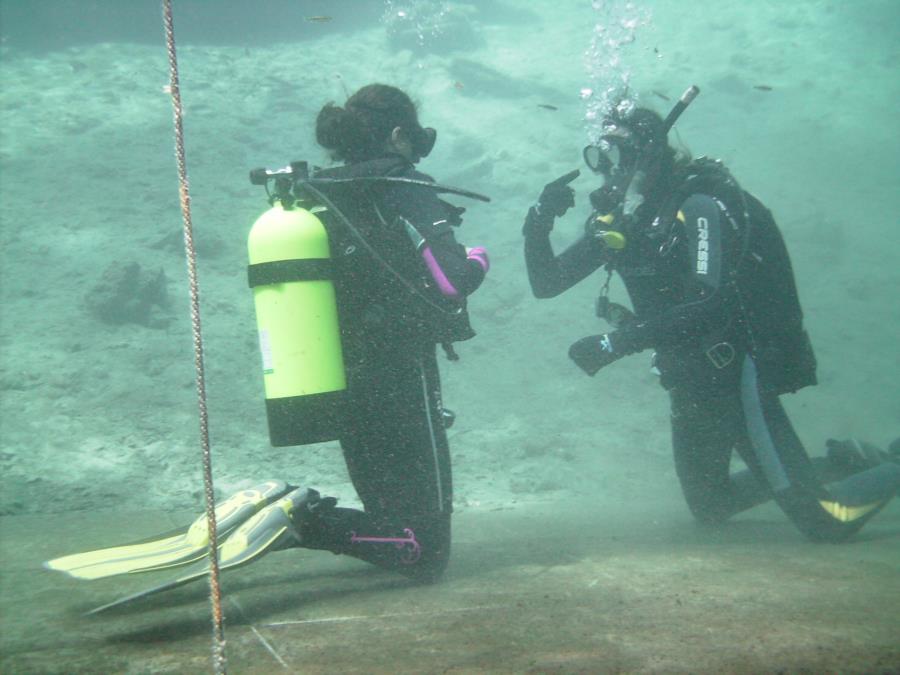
[593, 352]
[556, 198]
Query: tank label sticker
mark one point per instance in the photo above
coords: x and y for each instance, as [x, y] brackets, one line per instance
[265, 347]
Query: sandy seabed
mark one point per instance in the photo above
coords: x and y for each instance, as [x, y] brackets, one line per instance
[798, 99]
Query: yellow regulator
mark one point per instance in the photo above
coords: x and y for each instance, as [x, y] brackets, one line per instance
[290, 272]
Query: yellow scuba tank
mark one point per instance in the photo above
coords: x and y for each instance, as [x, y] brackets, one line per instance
[290, 273]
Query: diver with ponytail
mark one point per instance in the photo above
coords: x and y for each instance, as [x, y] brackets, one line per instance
[357, 277]
[398, 297]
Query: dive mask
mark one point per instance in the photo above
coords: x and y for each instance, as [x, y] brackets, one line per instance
[422, 140]
[615, 154]
[614, 159]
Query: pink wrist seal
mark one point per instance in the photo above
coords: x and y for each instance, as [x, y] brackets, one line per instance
[479, 255]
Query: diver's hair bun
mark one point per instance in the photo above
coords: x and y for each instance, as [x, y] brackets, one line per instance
[342, 132]
[359, 130]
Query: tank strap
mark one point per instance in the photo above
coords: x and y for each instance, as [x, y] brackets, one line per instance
[285, 271]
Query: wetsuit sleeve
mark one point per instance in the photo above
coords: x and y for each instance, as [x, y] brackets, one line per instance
[707, 226]
[456, 270]
[550, 274]
[429, 221]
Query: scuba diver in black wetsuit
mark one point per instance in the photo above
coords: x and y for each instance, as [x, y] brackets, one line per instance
[713, 293]
[400, 280]
[396, 445]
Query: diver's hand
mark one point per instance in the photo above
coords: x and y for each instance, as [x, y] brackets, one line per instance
[556, 198]
[594, 352]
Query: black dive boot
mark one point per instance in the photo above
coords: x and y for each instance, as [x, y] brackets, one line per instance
[857, 455]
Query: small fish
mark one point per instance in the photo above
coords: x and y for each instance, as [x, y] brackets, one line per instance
[547, 106]
[762, 87]
[660, 95]
[458, 85]
[318, 19]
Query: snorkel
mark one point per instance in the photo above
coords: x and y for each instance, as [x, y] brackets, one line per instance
[629, 152]
[686, 99]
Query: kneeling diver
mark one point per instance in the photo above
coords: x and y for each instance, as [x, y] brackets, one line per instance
[401, 281]
[713, 293]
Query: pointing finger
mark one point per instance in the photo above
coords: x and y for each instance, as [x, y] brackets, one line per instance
[567, 178]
